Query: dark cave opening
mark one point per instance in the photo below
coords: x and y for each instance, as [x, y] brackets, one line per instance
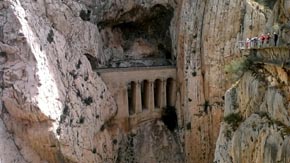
[169, 117]
[93, 61]
[139, 34]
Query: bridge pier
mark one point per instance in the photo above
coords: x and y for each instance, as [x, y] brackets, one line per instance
[151, 96]
[138, 98]
[163, 94]
[141, 93]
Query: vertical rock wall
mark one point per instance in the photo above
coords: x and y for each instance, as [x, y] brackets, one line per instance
[57, 109]
[54, 106]
[256, 115]
[206, 34]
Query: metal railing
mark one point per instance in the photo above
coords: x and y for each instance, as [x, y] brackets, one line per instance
[256, 44]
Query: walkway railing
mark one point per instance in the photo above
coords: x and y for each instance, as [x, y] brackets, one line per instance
[256, 44]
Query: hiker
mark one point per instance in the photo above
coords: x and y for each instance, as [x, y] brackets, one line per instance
[248, 43]
[267, 38]
[275, 38]
[255, 41]
[262, 39]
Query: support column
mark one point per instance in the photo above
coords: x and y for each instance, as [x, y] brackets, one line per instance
[151, 96]
[163, 94]
[171, 92]
[145, 95]
[138, 98]
[123, 103]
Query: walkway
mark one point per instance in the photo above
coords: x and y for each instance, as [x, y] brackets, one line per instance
[266, 53]
[243, 45]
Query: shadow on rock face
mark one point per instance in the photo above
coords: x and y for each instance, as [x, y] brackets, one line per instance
[138, 34]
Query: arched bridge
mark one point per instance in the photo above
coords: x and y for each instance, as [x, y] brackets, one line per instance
[140, 92]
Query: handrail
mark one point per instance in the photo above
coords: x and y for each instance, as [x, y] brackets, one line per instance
[257, 44]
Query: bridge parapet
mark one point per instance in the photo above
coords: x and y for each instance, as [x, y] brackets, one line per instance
[140, 93]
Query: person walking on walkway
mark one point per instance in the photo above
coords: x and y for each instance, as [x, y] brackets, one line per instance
[262, 39]
[275, 38]
[267, 38]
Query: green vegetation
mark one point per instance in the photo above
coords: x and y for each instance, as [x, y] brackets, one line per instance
[284, 129]
[233, 119]
[267, 3]
[81, 120]
[237, 67]
[206, 106]
[276, 28]
[94, 150]
[228, 134]
[188, 126]
[194, 73]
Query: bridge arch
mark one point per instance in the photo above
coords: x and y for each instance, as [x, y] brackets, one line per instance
[170, 92]
[145, 89]
[158, 93]
[131, 92]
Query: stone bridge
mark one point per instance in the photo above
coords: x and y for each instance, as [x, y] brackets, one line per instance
[140, 93]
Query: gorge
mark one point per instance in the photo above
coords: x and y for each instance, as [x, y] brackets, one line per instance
[144, 81]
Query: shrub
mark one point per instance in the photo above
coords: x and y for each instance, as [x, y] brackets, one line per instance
[88, 101]
[94, 150]
[85, 15]
[50, 36]
[237, 67]
[233, 119]
[81, 120]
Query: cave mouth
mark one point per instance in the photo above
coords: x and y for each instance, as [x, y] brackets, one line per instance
[169, 117]
[139, 37]
[268, 3]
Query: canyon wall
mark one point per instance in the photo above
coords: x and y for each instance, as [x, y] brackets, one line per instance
[256, 124]
[54, 105]
[56, 108]
[255, 127]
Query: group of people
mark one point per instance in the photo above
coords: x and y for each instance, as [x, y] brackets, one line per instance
[262, 40]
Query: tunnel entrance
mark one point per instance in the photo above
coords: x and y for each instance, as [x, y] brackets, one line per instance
[140, 37]
[157, 93]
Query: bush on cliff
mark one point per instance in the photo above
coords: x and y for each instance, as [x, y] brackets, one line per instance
[234, 120]
[237, 67]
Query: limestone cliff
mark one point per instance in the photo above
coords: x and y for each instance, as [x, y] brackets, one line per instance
[53, 104]
[256, 123]
[255, 126]
[55, 107]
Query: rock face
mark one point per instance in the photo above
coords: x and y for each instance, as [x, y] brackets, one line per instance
[51, 97]
[151, 142]
[256, 115]
[256, 126]
[56, 108]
